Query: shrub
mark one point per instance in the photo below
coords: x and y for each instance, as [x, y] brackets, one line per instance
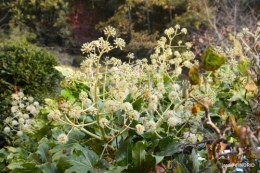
[25, 67]
[139, 117]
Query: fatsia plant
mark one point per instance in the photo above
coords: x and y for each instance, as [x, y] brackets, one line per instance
[113, 116]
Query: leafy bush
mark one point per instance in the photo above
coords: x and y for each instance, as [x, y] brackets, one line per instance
[139, 117]
[25, 67]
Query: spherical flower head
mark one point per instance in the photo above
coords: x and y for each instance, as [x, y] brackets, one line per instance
[152, 106]
[8, 120]
[14, 123]
[25, 116]
[75, 112]
[19, 133]
[173, 121]
[178, 71]
[21, 120]
[173, 95]
[150, 126]
[176, 87]
[153, 98]
[30, 99]
[103, 122]
[62, 138]
[110, 31]
[83, 95]
[184, 30]
[188, 45]
[190, 137]
[54, 115]
[139, 129]
[14, 109]
[133, 115]
[7, 129]
[87, 48]
[177, 26]
[119, 42]
[130, 56]
[36, 103]
[169, 113]
[127, 106]
[110, 106]
[21, 94]
[15, 97]
[86, 103]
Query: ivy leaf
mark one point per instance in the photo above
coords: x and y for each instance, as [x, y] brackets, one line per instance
[211, 61]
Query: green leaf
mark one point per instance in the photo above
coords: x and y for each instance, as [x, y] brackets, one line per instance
[137, 104]
[138, 154]
[211, 61]
[243, 66]
[67, 94]
[143, 162]
[117, 169]
[194, 160]
[48, 168]
[83, 160]
[170, 149]
[43, 150]
[26, 168]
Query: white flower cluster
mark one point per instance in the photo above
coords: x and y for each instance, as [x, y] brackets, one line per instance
[113, 91]
[190, 137]
[23, 110]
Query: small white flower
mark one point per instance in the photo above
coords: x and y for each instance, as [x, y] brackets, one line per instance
[20, 94]
[173, 95]
[139, 129]
[25, 116]
[110, 106]
[36, 103]
[14, 109]
[173, 121]
[150, 126]
[152, 106]
[169, 113]
[133, 115]
[103, 122]
[7, 129]
[14, 123]
[30, 99]
[184, 30]
[19, 133]
[153, 99]
[119, 42]
[62, 138]
[110, 31]
[127, 106]
[83, 95]
[21, 120]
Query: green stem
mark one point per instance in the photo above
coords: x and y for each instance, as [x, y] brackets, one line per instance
[91, 134]
[161, 120]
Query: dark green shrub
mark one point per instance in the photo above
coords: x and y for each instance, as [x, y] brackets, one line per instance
[28, 68]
